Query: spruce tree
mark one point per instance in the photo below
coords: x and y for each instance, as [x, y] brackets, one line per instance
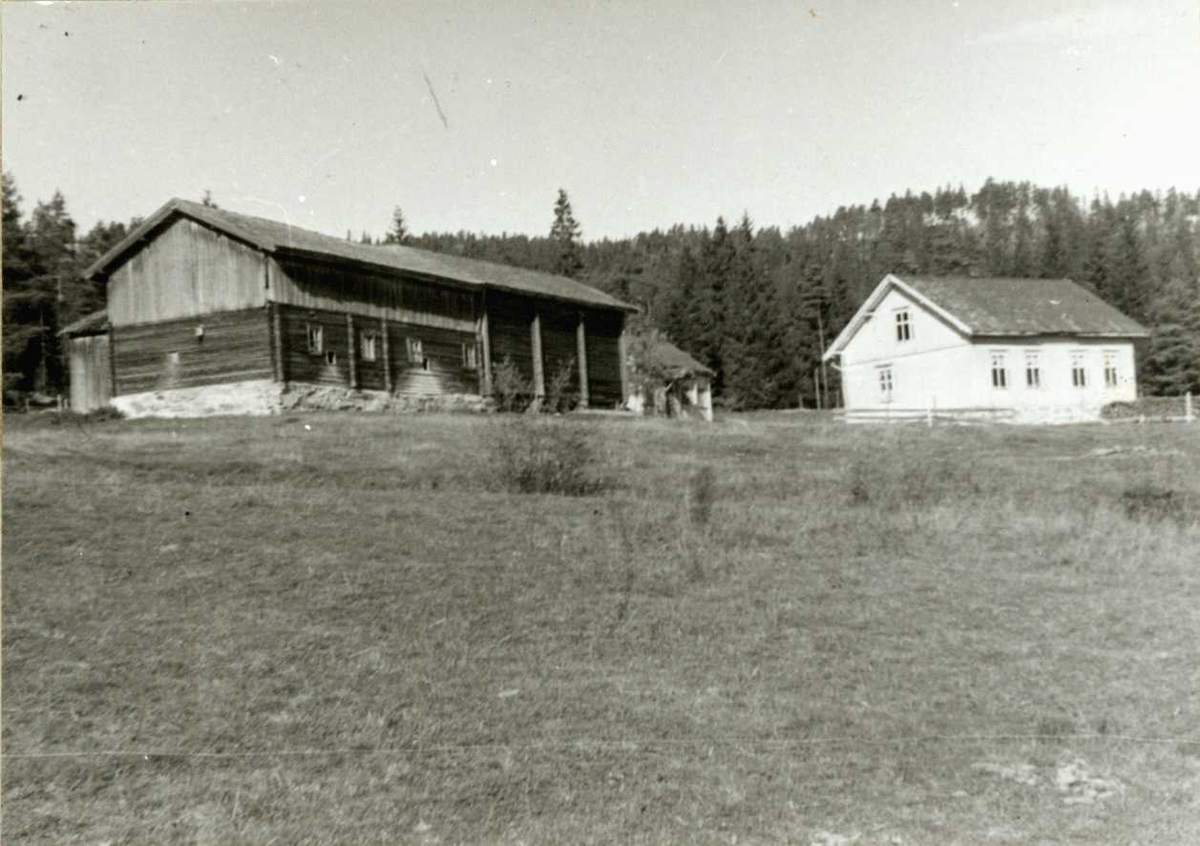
[398, 234]
[564, 233]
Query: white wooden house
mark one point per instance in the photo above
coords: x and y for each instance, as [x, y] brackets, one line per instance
[1026, 350]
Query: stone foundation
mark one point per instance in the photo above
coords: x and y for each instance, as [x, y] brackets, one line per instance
[264, 396]
[257, 397]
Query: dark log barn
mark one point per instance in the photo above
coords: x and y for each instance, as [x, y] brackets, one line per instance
[198, 296]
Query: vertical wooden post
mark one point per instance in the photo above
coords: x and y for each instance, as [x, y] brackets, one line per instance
[351, 350]
[485, 340]
[581, 354]
[280, 354]
[387, 358]
[1188, 415]
[112, 361]
[539, 376]
[622, 364]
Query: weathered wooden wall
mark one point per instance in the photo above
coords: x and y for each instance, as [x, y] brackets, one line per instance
[157, 356]
[184, 271]
[604, 357]
[302, 366]
[440, 372]
[509, 319]
[322, 286]
[91, 372]
[559, 350]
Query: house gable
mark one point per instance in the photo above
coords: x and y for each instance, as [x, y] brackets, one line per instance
[873, 333]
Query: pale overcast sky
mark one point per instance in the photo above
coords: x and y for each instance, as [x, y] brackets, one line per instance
[647, 113]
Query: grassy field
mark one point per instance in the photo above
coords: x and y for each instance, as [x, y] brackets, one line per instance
[336, 629]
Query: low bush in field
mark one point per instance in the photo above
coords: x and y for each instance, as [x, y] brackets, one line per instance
[1152, 407]
[532, 454]
[1151, 503]
[513, 392]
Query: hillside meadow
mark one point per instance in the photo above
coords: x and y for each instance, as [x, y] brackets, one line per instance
[339, 628]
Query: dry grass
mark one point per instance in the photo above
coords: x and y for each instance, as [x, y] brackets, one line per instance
[330, 629]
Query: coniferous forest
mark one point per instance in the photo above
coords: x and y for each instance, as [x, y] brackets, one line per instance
[757, 304]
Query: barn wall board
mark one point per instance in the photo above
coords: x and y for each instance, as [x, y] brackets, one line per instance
[205, 350]
[351, 290]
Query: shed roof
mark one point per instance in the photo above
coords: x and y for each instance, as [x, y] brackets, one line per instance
[1002, 307]
[283, 239]
[654, 353]
[672, 357]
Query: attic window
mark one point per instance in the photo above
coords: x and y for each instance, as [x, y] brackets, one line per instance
[316, 338]
[903, 325]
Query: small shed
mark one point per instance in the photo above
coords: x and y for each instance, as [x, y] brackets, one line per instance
[666, 380]
[87, 347]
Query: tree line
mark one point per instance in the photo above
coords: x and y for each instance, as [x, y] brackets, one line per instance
[759, 305]
[756, 304]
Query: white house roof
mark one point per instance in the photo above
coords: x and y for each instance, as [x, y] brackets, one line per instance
[991, 307]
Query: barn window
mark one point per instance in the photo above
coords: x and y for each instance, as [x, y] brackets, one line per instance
[903, 325]
[1033, 370]
[885, 382]
[470, 356]
[416, 353]
[999, 373]
[1110, 369]
[316, 339]
[368, 342]
[1078, 370]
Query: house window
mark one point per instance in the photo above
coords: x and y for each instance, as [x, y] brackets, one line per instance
[1078, 370]
[416, 353]
[1033, 370]
[885, 383]
[368, 342]
[1110, 369]
[999, 373]
[903, 325]
[316, 339]
[330, 357]
[470, 357]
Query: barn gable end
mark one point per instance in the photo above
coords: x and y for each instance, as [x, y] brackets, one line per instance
[185, 270]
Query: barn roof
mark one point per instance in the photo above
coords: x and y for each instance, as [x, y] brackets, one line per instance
[90, 324]
[283, 239]
[994, 307]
